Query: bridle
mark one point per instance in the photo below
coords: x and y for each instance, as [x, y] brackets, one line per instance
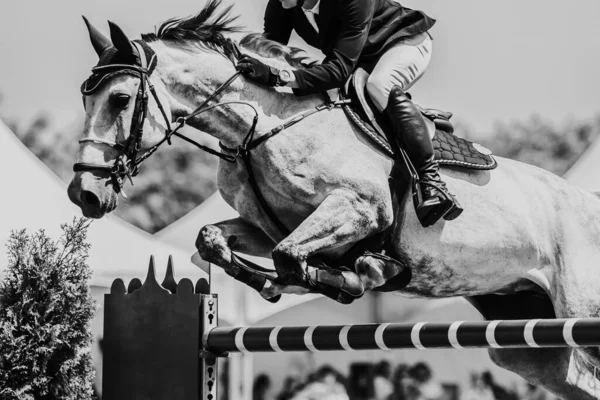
[128, 161]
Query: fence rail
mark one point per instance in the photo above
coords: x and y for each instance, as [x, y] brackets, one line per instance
[422, 335]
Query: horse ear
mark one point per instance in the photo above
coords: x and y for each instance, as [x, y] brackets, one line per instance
[99, 41]
[122, 42]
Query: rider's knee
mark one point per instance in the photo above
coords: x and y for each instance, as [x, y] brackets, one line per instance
[376, 88]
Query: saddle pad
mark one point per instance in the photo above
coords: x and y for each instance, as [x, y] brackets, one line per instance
[449, 149]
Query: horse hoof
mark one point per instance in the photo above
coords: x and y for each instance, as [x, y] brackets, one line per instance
[345, 298]
[352, 284]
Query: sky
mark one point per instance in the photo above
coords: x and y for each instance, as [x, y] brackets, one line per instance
[492, 60]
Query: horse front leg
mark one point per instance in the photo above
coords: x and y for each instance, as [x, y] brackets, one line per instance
[342, 219]
[217, 242]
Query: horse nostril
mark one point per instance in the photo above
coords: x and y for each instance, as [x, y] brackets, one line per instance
[90, 199]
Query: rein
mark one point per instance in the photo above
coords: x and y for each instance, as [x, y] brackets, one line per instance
[127, 162]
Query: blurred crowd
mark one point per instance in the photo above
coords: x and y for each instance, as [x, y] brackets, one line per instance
[380, 381]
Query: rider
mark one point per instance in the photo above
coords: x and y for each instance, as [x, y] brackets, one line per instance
[389, 41]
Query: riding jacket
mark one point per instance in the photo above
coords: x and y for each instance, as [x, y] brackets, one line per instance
[352, 33]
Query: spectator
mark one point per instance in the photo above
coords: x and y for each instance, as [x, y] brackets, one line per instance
[291, 385]
[537, 393]
[499, 392]
[399, 382]
[325, 384]
[382, 384]
[261, 388]
[422, 386]
[478, 390]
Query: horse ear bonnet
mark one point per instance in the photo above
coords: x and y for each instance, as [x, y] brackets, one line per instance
[112, 56]
[99, 41]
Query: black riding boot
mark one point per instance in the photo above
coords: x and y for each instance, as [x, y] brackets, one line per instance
[410, 132]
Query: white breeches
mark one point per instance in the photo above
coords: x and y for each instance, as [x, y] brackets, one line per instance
[402, 65]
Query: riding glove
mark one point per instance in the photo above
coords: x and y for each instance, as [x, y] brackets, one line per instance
[256, 70]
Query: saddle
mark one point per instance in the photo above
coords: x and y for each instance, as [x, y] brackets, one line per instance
[450, 150]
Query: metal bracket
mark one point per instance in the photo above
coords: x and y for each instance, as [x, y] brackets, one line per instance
[209, 317]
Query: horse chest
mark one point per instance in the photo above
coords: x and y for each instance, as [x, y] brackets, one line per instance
[288, 195]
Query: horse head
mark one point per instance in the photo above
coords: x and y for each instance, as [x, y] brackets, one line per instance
[143, 91]
[121, 121]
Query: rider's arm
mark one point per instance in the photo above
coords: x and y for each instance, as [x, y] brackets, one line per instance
[337, 67]
[278, 22]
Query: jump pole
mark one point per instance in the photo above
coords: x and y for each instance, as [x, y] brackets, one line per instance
[420, 336]
[499, 334]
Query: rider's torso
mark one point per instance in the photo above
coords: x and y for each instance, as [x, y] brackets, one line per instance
[389, 23]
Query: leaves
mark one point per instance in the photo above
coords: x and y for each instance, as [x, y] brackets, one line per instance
[45, 315]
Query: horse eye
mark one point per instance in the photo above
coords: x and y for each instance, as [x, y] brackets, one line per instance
[119, 100]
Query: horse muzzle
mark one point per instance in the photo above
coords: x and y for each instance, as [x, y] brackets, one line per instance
[95, 196]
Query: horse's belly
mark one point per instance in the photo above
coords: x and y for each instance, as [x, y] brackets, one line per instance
[463, 265]
[459, 260]
[431, 281]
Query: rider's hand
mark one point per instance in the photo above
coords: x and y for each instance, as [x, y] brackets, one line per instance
[256, 70]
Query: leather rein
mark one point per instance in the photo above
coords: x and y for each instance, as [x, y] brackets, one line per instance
[127, 162]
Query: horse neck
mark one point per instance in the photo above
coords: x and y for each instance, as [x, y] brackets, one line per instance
[191, 76]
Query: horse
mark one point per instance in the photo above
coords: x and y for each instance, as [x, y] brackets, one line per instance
[525, 247]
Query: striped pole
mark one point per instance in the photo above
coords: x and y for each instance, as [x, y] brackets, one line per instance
[422, 335]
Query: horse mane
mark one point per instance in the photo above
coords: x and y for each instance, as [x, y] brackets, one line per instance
[209, 27]
[257, 43]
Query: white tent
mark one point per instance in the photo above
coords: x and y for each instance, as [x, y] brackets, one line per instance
[584, 173]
